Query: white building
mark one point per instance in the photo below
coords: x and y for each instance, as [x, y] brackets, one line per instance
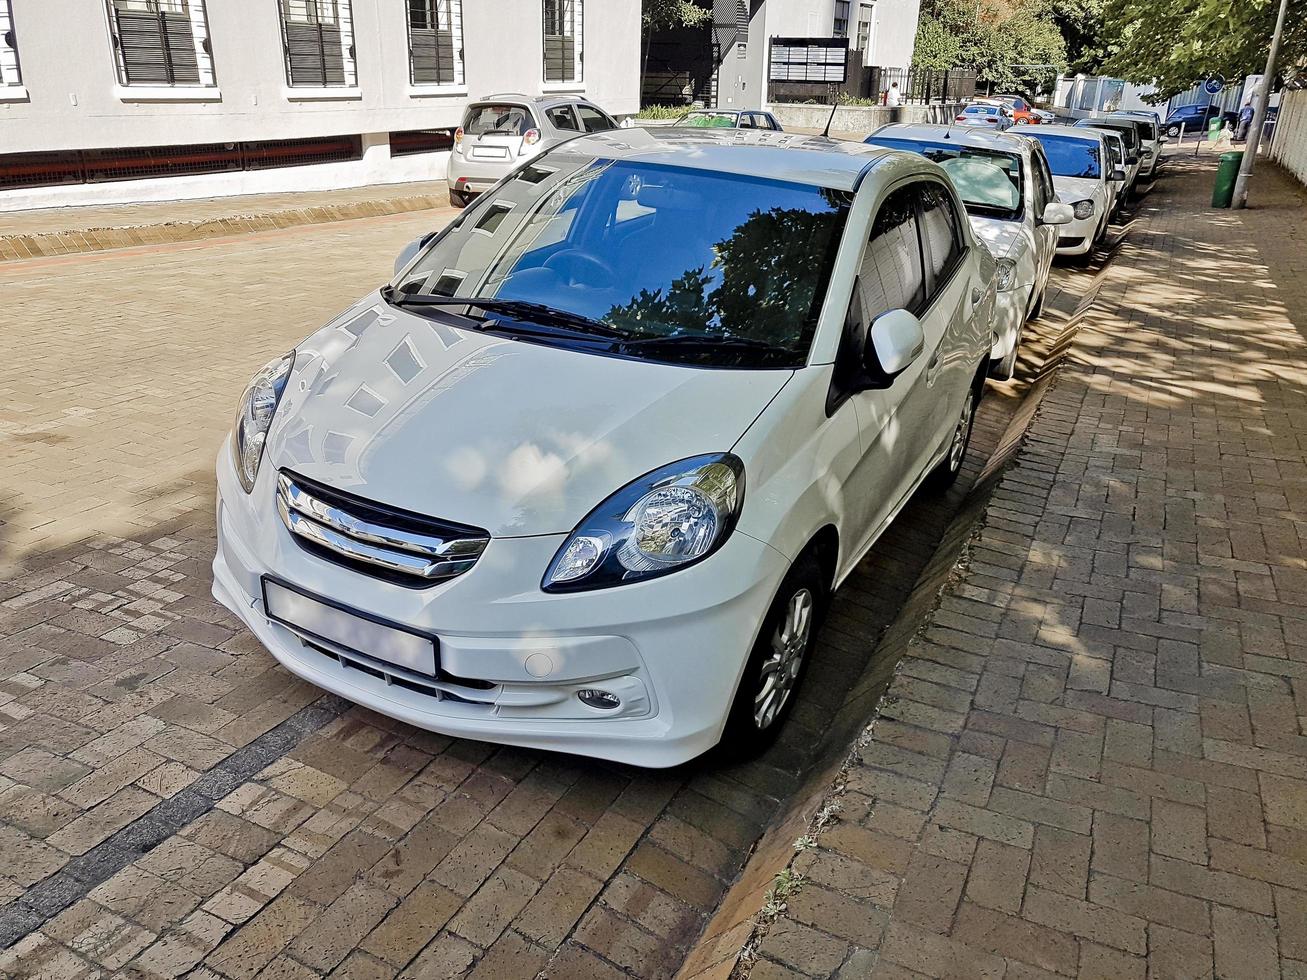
[885, 31]
[131, 100]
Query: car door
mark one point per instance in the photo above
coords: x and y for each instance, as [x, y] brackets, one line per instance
[594, 120]
[1045, 235]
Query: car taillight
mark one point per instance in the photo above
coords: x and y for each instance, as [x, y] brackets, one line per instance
[960, 119]
[991, 119]
[458, 136]
[531, 137]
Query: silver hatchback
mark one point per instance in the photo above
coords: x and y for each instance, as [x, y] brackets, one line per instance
[500, 132]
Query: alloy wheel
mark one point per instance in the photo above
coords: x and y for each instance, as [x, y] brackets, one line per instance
[780, 670]
[961, 434]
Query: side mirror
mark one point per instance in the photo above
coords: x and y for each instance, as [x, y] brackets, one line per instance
[1057, 213]
[409, 251]
[895, 341]
[1118, 173]
[1132, 160]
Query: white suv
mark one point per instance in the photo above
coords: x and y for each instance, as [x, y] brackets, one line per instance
[584, 474]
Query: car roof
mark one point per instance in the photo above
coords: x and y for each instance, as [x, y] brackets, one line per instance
[691, 110]
[962, 135]
[794, 157]
[542, 101]
[1057, 129]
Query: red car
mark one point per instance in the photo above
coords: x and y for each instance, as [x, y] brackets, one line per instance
[1022, 111]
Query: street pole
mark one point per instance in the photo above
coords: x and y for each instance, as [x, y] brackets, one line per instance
[1259, 114]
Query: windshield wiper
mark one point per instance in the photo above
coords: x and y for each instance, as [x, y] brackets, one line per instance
[518, 309]
[705, 341]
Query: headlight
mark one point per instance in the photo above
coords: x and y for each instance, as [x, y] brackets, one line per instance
[667, 519]
[1083, 209]
[1007, 273]
[254, 417]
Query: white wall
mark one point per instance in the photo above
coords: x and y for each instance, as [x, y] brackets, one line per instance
[1289, 144]
[894, 33]
[73, 100]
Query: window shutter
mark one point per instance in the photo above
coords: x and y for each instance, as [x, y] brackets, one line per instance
[435, 41]
[562, 48]
[319, 43]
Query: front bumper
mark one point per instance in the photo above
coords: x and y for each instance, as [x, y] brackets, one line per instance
[1010, 309]
[512, 657]
[1077, 237]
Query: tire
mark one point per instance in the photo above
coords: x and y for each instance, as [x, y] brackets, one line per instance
[457, 199]
[946, 471]
[1002, 370]
[1173, 130]
[1037, 310]
[752, 724]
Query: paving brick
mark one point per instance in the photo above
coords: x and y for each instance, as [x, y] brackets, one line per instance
[1244, 943]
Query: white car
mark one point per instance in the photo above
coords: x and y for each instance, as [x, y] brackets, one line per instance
[1149, 127]
[1082, 176]
[1007, 188]
[1117, 157]
[584, 474]
[1128, 129]
[985, 115]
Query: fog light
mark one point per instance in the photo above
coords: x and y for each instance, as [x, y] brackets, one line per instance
[599, 699]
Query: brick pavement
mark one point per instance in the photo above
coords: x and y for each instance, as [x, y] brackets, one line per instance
[172, 801]
[60, 231]
[1092, 762]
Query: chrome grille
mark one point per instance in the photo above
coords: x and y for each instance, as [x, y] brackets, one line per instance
[375, 538]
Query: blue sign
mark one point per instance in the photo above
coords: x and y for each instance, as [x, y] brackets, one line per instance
[1214, 85]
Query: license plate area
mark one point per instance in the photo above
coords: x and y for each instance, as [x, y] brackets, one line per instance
[490, 152]
[349, 629]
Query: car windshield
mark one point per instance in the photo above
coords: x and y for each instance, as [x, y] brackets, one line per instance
[671, 263]
[1129, 135]
[497, 120]
[709, 120]
[1147, 130]
[989, 181]
[1069, 156]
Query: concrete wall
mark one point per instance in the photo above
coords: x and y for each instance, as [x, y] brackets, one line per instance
[859, 119]
[894, 33]
[1289, 144]
[72, 100]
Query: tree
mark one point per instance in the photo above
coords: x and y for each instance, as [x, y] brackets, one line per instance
[1006, 42]
[1174, 43]
[1081, 24]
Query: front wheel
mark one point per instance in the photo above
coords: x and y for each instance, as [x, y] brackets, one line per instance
[946, 472]
[777, 663]
[1173, 131]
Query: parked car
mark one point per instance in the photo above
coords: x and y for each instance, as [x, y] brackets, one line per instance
[730, 119]
[500, 132]
[584, 474]
[1151, 139]
[1007, 188]
[1045, 117]
[1082, 172]
[1195, 118]
[1116, 161]
[985, 115]
[1130, 137]
[1023, 113]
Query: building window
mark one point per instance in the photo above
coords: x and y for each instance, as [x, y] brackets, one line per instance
[435, 42]
[562, 35]
[161, 42]
[864, 27]
[840, 28]
[9, 71]
[318, 38]
[741, 29]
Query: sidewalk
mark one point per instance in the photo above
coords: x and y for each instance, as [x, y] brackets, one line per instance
[1092, 761]
[59, 231]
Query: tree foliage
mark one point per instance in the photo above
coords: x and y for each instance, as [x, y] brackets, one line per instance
[1174, 43]
[1087, 42]
[662, 15]
[1009, 43]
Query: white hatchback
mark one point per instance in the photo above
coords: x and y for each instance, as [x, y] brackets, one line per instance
[1083, 176]
[1007, 189]
[585, 473]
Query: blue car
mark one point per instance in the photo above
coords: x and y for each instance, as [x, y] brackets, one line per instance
[1195, 118]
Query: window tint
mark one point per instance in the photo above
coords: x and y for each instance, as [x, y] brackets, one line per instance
[561, 117]
[1069, 156]
[1043, 183]
[892, 276]
[592, 120]
[989, 181]
[939, 226]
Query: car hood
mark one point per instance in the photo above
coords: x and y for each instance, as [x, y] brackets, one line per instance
[1072, 189]
[1004, 238]
[514, 437]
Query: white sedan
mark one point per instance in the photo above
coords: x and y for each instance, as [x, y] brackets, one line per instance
[1006, 186]
[1082, 176]
[584, 475]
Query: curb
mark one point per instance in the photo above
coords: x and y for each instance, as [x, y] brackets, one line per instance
[14, 248]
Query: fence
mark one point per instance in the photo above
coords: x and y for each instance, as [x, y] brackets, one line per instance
[1289, 142]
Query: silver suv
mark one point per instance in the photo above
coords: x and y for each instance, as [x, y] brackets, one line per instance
[500, 132]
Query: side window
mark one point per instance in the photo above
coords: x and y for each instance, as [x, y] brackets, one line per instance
[1044, 177]
[561, 117]
[772, 124]
[892, 275]
[592, 120]
[747, 121]
[939, 226]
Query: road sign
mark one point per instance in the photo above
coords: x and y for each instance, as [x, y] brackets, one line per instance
[1214, 85]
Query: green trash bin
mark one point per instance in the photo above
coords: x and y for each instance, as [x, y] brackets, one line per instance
[1226, 172]
[1214, 130]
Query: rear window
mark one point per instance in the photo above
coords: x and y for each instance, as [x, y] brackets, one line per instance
[1071, 157]
[709, 120]
[989, 181]
[493, 119]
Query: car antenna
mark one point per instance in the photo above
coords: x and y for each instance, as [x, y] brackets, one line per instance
[831, 118]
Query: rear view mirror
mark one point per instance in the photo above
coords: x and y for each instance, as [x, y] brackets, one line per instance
[895, 341]
[1057, 213]
[1132, 160]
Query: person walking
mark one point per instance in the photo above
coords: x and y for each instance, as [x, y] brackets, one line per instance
[1245, 122]
[894, 97]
